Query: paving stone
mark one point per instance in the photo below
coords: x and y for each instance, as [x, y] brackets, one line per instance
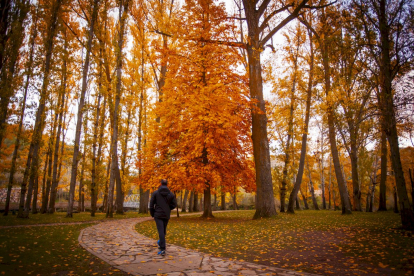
[117, 243]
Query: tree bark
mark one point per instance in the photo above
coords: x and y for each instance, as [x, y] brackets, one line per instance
[395, 200]
[94, 190]
[235, 207]
[123, 14]
[195, 205]
[184, 206]
[389, 118]
[85, 71]
[305, 200]
[29, 72]
[298, 182]
[191, 202]
[223, 200]
[32, 165]
[383, 179]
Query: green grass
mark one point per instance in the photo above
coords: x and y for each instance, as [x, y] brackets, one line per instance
[323, 242]
[60, 217]
[48, 250]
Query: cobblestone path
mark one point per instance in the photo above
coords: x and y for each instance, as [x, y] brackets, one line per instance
[117, 243]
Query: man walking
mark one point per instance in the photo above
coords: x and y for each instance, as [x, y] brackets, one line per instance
[161, 204]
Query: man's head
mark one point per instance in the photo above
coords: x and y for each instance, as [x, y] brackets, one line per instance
[164, 182]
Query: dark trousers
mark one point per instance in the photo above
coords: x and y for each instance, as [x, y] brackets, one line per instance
[162, 230]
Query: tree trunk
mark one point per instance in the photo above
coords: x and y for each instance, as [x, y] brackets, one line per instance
[81, 188]
[207, 213]
[215, 202]
[123, 14]
[355, 176]
[184, 205]
[389, 118]
[322, 175]
[346, 206]
[61, 112]
[298, 182]
[191, 202]
[412, 187]
[330, 182]
[195, 206]
[383, 179]
[311, 189]
[235, 207]
[305, 200]
[44, 207]
[32, 165]
[85, 71]
[119, 192]
[265, 203]
[29, 72]
[297, 204]
[395, 201]
[223, 200]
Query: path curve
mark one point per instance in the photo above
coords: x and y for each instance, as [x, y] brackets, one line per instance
[117, 243]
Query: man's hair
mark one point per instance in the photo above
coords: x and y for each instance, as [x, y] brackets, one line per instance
[164, 182]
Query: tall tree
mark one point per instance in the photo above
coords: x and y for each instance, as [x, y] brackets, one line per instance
[32, 165]
[298, 182]
[388, 27]
[85, 71]
[123, 15]
[29, 72]
[259, 15]
[325, 34]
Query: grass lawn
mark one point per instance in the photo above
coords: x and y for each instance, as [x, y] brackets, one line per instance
[60, 217]
[48, 250]
[323, 242]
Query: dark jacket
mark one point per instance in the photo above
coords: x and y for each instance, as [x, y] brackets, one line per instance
[162, 202]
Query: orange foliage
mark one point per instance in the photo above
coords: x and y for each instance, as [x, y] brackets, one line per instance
[204, 132]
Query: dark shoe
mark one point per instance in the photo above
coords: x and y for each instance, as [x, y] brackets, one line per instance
[162, 253]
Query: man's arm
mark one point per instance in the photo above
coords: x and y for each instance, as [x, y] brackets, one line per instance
[173, 203]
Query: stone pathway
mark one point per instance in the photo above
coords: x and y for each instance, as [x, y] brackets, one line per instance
[117, 243]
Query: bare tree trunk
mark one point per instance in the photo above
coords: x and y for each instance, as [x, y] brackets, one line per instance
[311, 189]
[35, 194]
[235, 207]
[195, 205]
[75, 158]
[297, 204]
[298, 182]
[207, 213]
[383, 179]
[322, 175]
[32, 165]
[395, 200]
[215, 202]
[81, 188]
[57, 166]
[412, 187]
[223, 200]
[330, 182]
[44, 207]
[184, 205]
[191, 202]
[305, 200]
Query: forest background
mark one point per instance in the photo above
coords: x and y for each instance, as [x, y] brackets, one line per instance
[170, 89]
